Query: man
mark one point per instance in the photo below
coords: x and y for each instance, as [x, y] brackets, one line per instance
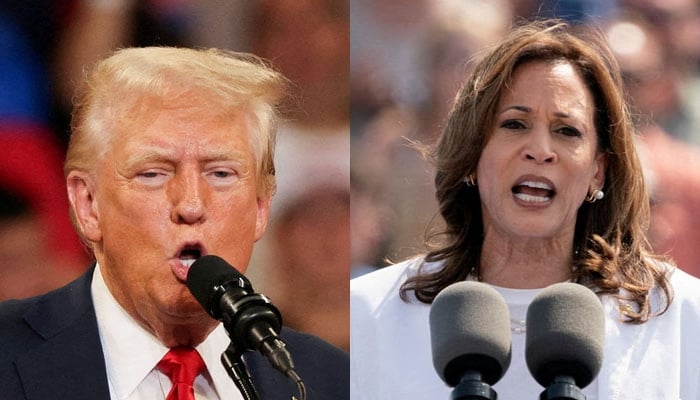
[170, 159]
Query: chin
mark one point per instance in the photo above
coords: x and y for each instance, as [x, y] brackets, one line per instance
[176, 320]
[536, 231]
[185, 335]
[182, 306]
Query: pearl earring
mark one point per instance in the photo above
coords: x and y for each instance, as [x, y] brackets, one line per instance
[596, 195]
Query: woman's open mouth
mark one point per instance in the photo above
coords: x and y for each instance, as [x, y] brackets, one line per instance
[530, 191]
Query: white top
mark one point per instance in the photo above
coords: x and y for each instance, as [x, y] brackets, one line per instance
[390, 354]
[132, 353]
[518, 383]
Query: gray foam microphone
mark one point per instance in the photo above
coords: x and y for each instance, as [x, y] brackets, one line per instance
[470, 331]
[565, 334]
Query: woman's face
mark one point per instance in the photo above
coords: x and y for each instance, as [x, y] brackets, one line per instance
[540, 159]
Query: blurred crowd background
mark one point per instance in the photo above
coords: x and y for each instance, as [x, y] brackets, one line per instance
[368, 79]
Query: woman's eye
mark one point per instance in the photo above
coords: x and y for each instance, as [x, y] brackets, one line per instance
[512, 124]
[569, 131]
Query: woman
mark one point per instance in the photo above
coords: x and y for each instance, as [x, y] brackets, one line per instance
[538, 182]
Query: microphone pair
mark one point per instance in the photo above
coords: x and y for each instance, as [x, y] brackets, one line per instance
[471, 339]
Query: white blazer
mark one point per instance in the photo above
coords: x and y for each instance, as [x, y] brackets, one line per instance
[390, 355]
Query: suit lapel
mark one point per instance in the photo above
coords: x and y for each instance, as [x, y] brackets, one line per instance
[68, 363]
[270, 383]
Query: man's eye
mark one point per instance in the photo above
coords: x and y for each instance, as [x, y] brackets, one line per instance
[149, 174]
[222, 174]
[152, 178]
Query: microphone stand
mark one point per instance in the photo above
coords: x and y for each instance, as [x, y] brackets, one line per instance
[471, 387]
[562, 388]
[238, 371]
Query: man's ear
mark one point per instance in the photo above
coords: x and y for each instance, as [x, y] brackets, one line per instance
[81, 194]
[263, 216]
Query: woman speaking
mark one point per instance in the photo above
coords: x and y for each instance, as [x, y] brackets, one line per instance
[538, 182]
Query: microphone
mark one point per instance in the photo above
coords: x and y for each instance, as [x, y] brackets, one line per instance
[250, 319]
[470, 339]
[565, 338]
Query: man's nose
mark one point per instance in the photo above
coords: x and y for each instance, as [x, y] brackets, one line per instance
[188, 196]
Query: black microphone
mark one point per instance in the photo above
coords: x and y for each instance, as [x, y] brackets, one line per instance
[251, 320]
[470, 339]
[565, 339]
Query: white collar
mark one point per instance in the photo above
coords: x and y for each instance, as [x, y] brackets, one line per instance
[517, 296]
[131, 352]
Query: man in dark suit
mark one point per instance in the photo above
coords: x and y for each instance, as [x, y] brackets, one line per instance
[170, 159]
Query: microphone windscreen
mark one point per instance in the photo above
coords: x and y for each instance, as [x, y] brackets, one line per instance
[565, 334]
[205, 274]
[470, 331]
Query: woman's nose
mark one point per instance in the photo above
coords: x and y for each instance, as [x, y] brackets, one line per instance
[539, 147]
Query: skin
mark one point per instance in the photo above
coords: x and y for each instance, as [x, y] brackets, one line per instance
[543, 132]
[175, 177]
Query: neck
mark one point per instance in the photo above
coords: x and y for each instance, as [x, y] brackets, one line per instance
[526, 263]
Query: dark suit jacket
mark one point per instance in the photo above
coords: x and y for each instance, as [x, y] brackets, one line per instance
[50, 349]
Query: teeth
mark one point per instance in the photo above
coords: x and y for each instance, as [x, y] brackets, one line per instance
[536, 185]
[531, 198]
[187, 262]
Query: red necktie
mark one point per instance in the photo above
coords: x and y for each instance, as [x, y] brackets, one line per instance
[182, 365]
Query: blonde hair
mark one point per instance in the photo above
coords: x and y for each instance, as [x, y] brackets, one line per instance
[132, 78]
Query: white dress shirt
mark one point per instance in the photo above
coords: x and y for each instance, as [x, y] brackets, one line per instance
[132, 353]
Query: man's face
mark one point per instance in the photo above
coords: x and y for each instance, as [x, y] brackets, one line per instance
[174, 185]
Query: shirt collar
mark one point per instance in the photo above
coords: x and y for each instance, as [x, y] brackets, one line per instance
[131, 352]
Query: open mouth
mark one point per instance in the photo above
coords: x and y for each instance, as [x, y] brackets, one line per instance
[189, 254]
[533, 191]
